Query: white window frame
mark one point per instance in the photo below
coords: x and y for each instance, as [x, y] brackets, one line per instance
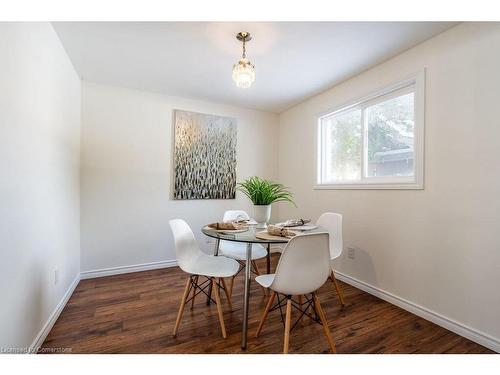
[415, 182]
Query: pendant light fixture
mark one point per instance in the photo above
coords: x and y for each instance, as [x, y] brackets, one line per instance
[243, 70]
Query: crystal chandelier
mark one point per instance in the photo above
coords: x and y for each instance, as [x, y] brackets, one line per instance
[243, 70]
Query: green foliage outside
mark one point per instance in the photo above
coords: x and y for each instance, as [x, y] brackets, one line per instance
[390, 127]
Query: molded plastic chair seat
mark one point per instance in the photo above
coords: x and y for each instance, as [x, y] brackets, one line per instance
[265, 280]
[198, 264]
[212, 266]
[238, 250]
[303, 268]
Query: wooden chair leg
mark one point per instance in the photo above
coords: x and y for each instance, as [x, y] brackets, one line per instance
[324, 322]
[226, 292]
[181, 308]
[255, 268]
[194, 292]
[337, 287]
[232, 280]
[231, 286]
[257, 272]
[219, 307]
[209, 297]
[287, 325]
[266, 312]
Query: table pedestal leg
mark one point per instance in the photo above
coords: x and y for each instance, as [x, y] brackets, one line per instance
[268, 259]
[248, 266]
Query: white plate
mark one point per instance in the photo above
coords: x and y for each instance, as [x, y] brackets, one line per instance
[302, 227]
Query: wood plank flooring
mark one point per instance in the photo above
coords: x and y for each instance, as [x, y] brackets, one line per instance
[135, 313]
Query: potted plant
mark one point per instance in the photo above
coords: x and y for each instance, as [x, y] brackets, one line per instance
[263, 193]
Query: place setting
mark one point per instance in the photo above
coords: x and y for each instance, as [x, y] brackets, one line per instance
[278, 231]
[287, 229]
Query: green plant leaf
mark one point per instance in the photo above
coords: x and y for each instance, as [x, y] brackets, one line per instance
[263, 192]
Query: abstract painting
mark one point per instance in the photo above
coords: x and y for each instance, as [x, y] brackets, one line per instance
[204, 156]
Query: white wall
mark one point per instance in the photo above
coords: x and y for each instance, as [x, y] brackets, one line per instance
[39, 178]
[440, 247]
[126, 173]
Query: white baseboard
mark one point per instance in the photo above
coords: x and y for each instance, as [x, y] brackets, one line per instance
[127, 269]
[42, 335]
[451, 325]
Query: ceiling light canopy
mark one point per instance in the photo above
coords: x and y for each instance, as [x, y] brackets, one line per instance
[243, 70]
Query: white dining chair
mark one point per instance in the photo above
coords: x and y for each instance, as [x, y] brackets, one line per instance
[238, 250]
[333, 223]
[198, 264]
[303, 268]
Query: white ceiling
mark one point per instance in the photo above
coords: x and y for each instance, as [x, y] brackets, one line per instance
[293, 60]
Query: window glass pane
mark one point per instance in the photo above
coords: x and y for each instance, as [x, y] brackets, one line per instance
[342, 154]
[391, 137]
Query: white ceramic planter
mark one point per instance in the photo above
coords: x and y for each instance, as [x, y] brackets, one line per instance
[262, 215]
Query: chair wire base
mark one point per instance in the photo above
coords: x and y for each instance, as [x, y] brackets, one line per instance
[242, 267]
[309, 302]
[202, 287]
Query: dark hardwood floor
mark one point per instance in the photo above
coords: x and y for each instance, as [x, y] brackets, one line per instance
[135, 313]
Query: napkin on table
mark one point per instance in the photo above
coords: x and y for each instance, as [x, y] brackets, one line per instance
[279, 231]
[296, 222]
[225, 226]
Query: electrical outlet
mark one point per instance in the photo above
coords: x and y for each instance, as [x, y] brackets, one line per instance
[56, 276]
[351, 252]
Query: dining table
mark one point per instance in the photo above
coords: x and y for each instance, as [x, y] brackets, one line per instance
[250, 236]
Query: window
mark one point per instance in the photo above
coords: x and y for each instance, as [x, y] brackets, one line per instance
[374, 143]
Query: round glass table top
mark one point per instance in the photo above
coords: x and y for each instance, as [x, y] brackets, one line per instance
[249, 235]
